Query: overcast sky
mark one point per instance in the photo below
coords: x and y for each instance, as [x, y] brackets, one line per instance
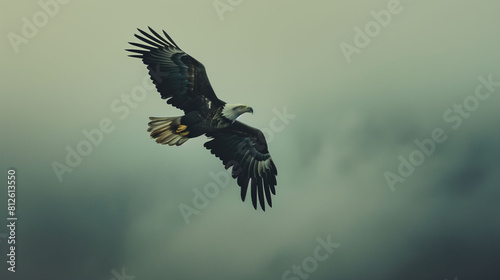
[381, 116]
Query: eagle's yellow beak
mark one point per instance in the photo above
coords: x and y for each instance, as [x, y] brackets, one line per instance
[249, 109]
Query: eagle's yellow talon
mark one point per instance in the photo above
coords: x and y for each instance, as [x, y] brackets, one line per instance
[181, 128]
[184, 133]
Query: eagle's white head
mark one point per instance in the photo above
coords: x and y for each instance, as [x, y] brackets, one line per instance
[233, 111]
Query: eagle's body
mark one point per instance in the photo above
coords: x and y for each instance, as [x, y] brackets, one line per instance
[183, 81]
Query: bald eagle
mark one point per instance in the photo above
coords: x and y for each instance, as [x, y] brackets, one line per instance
[183, 82]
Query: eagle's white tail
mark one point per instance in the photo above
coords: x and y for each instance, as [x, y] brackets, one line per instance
[166, 131]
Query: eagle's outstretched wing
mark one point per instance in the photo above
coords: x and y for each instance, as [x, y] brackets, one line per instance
[178, 77]
[245, 149]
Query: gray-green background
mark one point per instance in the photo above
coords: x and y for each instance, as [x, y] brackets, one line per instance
[119, 208]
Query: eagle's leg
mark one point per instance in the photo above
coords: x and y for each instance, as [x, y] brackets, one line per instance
[188, 123]
[181, 128]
